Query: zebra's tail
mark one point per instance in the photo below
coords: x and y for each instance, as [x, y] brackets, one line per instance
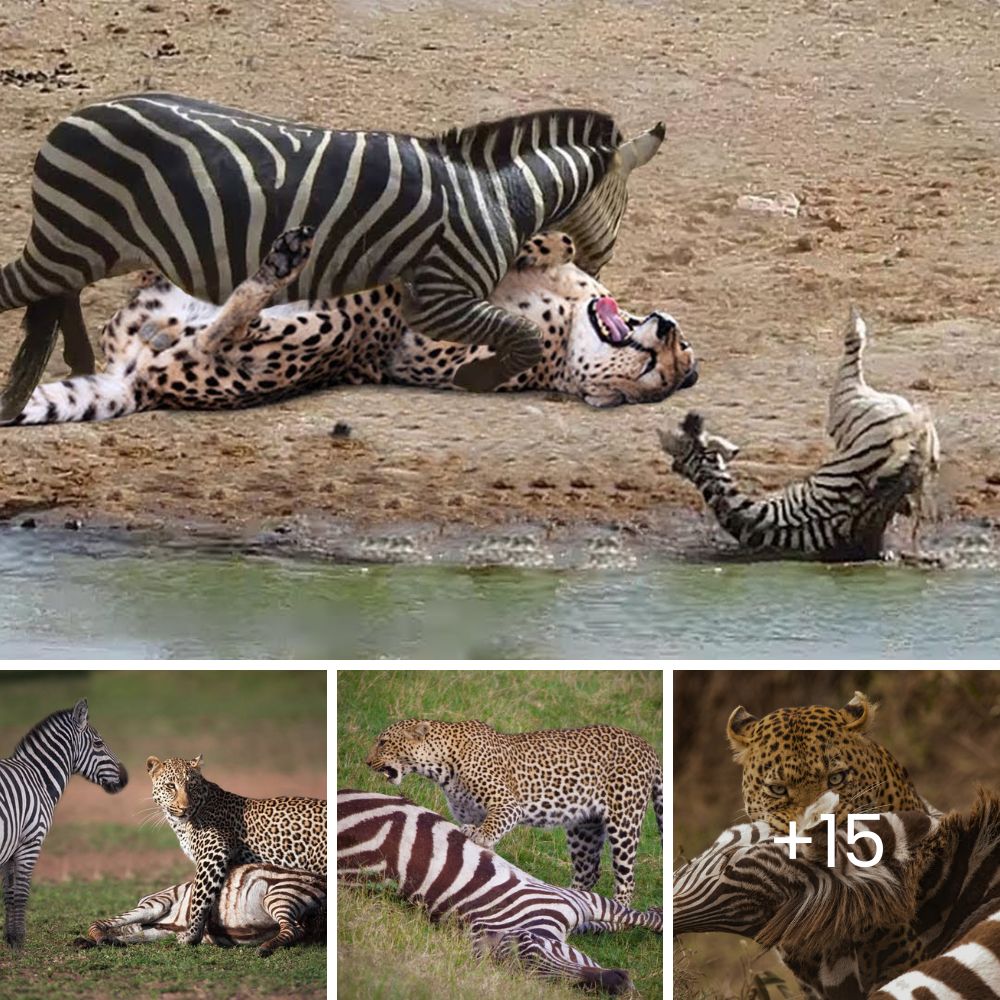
[84, 397]
[658, 800]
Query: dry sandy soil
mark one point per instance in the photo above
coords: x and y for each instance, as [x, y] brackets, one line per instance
[879, 115]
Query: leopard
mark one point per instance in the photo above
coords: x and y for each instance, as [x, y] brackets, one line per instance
[168, 350]
[792, 756]
[595, 781]
[219, 830]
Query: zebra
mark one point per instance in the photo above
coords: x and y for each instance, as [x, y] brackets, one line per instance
[510, 914]
[32, 781]
[845, 931]
[201, 191]
[259, 904]
[886, 451]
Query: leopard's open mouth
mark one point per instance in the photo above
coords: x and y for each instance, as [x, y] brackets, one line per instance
[389, 772]
[608, 321]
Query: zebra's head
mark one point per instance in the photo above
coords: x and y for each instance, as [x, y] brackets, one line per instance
[694, 451]
[179, 787]
[92, 758]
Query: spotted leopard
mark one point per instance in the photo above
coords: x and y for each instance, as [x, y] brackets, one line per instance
[167, 350]
[596, 782]
[792, 756]
[218, 830]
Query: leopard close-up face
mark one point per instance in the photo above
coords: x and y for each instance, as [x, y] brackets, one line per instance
[794, 755]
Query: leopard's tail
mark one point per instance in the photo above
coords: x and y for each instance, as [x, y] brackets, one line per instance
[658, 800]
[83, 397]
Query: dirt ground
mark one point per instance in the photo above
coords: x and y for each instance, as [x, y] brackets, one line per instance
[878, 115]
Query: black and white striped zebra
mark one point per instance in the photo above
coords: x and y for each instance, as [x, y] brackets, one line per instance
[510, 913]
[258, 905]
[32, 781]
[885, 451]
[846, 931]
[201, 191]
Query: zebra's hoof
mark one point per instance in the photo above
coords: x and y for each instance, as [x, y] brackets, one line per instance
[482, 375]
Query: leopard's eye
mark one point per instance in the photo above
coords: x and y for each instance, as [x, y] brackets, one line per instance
[837, 778]
[778, 791]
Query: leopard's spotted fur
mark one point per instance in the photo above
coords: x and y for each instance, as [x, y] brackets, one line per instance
[792, 756]
[218, 830]
[596, 782]
[167, 350]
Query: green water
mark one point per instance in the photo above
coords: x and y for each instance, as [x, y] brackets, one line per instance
[63, 595]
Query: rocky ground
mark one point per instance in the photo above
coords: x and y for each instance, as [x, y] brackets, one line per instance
[879, 117]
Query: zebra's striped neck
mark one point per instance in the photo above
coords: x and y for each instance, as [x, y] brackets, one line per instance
[48, 749]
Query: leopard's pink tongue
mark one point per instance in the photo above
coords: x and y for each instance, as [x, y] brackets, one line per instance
[607, 312]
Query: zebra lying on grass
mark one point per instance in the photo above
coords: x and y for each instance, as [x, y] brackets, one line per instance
[32, 781]
[201, 192]
[844, 931]
[259, 904]
[510, 913]
[885, 451]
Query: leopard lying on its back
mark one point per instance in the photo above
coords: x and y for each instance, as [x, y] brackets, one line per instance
[167, 350]
[596, 782]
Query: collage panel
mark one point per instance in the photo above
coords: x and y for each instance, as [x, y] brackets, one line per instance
[538, 858]
[143, 812]
[836, 834]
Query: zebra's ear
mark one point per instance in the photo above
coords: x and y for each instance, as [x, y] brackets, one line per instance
[738, 730]
[639, 151]
[860, 712]
[80, 715]
[196, 762]
[418, 731]
[152, 763]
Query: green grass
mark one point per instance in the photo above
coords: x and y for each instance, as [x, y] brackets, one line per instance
[50, 967]
[273, 721]
[386, 949]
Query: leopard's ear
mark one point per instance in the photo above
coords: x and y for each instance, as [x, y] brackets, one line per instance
[196, 762]
[859, 713]
[418, 731]
[739, 729]
[153, 764]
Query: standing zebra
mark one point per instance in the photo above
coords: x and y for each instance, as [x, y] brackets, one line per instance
[510, 913]
[885, 449]
[201, 191]
[845, 931]
[258, 904]
[32, 781]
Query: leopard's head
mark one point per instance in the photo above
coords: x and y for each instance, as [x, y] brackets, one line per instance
[419, 746]
[178, 785]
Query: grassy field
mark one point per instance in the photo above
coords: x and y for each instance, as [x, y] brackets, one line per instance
[104, 852]
[386, 950]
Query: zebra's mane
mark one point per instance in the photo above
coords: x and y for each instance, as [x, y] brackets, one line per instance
[604, 133]
[62, 713]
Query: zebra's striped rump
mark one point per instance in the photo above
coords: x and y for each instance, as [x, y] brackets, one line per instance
[200, 192]
[510, 914]
[886, 451]
[258, 905]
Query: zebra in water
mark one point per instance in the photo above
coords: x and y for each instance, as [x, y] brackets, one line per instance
[258, 904]
[201, 191]
[510, 913]
[845, 931]
[886, 450]
[32, 781]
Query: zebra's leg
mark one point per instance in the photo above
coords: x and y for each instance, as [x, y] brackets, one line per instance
[545, 956]
[41, 327]
[16, 887]
[150, 910]
[286, 258]
[283, 911]
[77, 350]
[442, 310]
[585, 841]
[612, 916]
